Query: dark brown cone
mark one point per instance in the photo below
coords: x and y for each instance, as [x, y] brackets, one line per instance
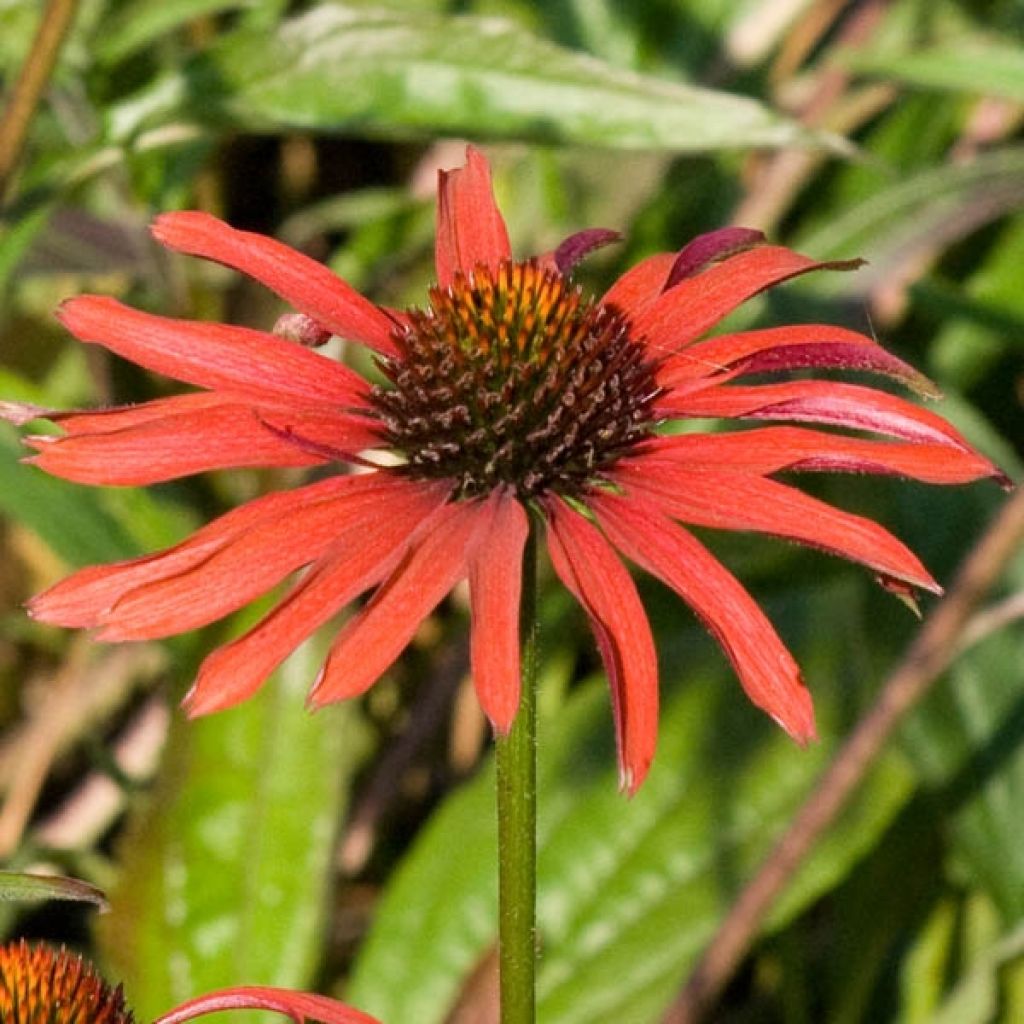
[515, 380]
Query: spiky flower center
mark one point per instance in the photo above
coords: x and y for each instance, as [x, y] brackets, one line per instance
[513, 378]
[43, 985]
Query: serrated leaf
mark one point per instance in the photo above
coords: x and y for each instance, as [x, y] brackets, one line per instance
[17, 886]
[225, 874]
[379, 71]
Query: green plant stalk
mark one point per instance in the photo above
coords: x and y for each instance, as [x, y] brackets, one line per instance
[516, 756]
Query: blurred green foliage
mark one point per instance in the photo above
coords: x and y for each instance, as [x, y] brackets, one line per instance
[271, 848]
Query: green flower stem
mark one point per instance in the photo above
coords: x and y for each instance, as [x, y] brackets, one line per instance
[517, 820]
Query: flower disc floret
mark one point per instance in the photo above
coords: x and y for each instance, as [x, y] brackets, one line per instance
[515, 379]
[43, 985]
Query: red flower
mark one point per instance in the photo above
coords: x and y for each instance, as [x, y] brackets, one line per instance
[512, 391]
[43, 985]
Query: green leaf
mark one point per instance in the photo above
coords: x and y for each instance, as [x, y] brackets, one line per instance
[991, 318]
[629, 890]
[975, 1000]
[225, 873]
[139, 24]
[71, 519]
[925, 211]
[967, 743]
[17, 886]
[378, 71]
[977, 66]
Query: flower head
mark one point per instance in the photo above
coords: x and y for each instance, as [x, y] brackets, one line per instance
[511, 391]
[43, 985]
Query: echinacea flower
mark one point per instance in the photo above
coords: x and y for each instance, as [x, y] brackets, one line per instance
[511, 391]
[43, 985]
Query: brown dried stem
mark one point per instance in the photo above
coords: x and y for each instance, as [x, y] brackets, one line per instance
[931, 653]
[35, 73]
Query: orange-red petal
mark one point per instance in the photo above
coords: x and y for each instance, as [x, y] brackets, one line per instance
[470, 227]
[727, 500]
[689, 308]
[214, 356]
[641, 284]
[360, 559]
[371, 641]
[768, 450]
[309, 286]
[817, 401]
[177, 437]
[596, 577]
[495, 582]
[766, 670]
[300, 1006]
[256, 560]
[81, 599]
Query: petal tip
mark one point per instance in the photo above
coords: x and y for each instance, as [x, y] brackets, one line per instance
[799, 723]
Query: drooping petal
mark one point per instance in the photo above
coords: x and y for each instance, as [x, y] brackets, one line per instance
[768, 450]
[470, 227]
[766, 670]
[81, 599]
[371, 641]
[596, 577]
[183, 440]
[790, 348]
[82, 422]
[641, 284]
[299, 1006]
[214, 356]
[708, 248]
[686, 311]
[359, 560]
[817, 401]
[495, 583]
[307, 285]
[577, 247]
[739, 501]
[253, 562]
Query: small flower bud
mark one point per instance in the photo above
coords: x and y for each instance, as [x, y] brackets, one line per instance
[302, 329]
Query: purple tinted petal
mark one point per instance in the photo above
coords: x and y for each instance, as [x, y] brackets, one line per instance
[581, 244]
[705, 249]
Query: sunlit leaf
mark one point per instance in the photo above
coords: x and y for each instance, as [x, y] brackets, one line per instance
[375, 71]
[225, 874]
[977, 66]
[18, 886]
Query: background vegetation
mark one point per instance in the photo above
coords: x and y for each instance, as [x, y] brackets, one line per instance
[353, 851]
